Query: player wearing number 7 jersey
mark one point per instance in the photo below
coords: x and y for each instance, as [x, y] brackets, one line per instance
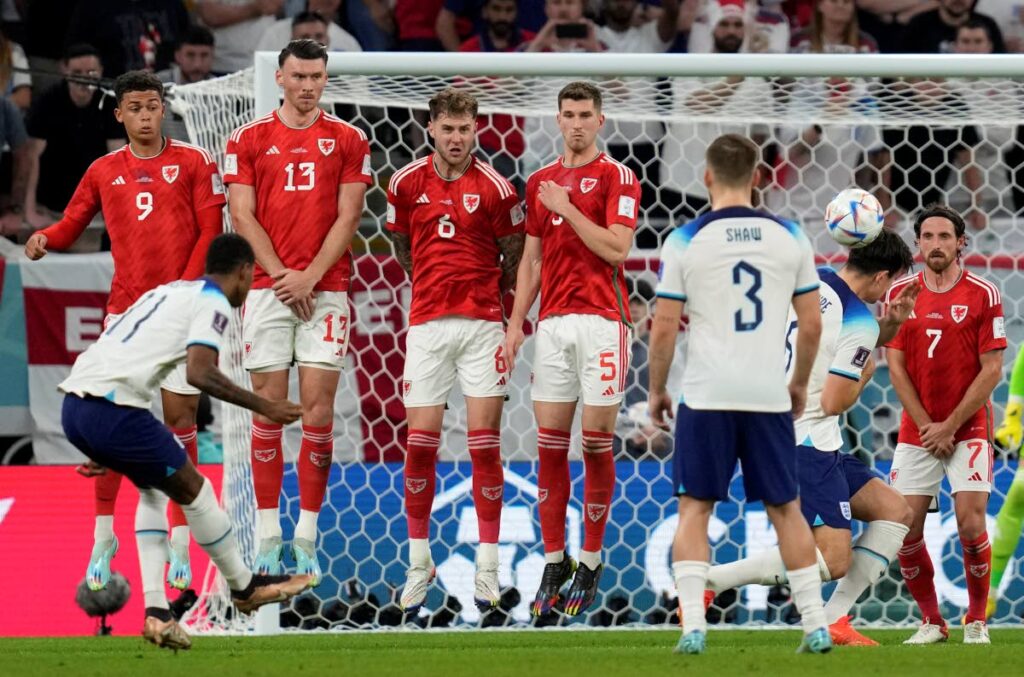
[162, 203]
[297, 179]
[457, 228]
[944, 363]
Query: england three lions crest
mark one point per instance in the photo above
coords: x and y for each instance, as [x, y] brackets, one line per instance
[170, 173]
[470, 202]
[326, 146]
[958, 313]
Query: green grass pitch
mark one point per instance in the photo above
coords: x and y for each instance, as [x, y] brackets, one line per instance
[522, 654]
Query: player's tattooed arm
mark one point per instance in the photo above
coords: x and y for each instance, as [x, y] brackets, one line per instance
[511, 247]
[403, 250]
[202, 372]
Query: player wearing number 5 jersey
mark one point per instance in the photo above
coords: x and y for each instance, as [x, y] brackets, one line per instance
[457, 228]
[944, 363]
[580, 217]
[297, 179]
[162, 203]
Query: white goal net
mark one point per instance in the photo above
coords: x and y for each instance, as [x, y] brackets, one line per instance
[822, 124]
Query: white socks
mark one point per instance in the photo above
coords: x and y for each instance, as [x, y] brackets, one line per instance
[872, 552]
[104, 528]
[764, 568]
[805, 586]
[419, 552]
[554, 557]
[151, 540]
[212, 530]
[487, 554]
[268, 523]
[306, 526]
[691, 580]
[179, 536]
[591, 559]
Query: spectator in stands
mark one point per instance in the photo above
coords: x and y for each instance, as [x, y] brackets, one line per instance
[833, 30]
[12, 135]
[767, 28]
[316, 23]
[566, 30]
[934, 32]
[414, 20]
[372, 22]
[1009, 16]
[46, 24]
[886, 20]
[237, 26]
[636, 143]
[500, 138]
[129, 34]
[67, 129]
[193, 62]
[682, 154]
[458, 16]
[17, 86]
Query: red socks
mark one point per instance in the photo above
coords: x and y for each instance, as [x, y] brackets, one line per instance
[420, 480]
[598, 485]
[314, 465]
[267, 464]
[488, 481]
[977, 570]
[553, 486]
[919, 575]
[188, 438]
[106, 487]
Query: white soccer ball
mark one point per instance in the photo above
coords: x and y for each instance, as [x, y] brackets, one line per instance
[854, 218]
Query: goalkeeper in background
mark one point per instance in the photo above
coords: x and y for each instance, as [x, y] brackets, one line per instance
[1011, 516]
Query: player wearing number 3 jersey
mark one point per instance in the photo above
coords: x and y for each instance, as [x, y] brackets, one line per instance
[944, 363]
[297, 179]
[457, 228]
[580, 217]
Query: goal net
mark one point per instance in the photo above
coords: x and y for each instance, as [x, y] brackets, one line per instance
[823, 124]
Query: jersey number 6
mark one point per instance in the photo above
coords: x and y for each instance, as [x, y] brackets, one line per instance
[445, 227]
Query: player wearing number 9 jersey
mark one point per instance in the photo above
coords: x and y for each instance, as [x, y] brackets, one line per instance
[457, 228]
[162, 203]
[944, 363]
[297, 179]
[737, 271]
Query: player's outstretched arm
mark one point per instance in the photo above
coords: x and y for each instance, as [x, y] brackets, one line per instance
[201, 372]
[242, 203]
[896, 313]
[664, 329]
[807, 307]
[527, 288]
[511, 247]
[84, 205]
[612, 243]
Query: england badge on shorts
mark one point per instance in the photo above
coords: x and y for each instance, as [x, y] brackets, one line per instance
[326, 146]
[959, 313]
[170, 173]
[470, 202]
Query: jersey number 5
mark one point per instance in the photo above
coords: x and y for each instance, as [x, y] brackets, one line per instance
[745, 322]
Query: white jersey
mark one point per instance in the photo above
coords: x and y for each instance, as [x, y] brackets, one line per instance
[849, 332]
[738, 270]
[137, 350]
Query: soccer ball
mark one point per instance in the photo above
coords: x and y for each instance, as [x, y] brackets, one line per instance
[854, 218]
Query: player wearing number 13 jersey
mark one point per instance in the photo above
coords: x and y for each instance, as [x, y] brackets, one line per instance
[944, 363]
[457, 228]
[162, 204]
[297, 179]
[581, 212]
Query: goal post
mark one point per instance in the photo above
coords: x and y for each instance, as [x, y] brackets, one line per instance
[909, 128]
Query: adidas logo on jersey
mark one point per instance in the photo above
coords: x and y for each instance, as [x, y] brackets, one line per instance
[423, 199]
[119, 181]
[273, 151]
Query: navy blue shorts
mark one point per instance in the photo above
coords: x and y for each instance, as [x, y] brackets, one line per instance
[126, 439]
[824, 493]
[709, 442]
[857, 473]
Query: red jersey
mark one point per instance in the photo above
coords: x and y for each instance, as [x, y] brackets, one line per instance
[150, 207]
[574, 279]
[296, 174]
[454, 227]
[942, 343]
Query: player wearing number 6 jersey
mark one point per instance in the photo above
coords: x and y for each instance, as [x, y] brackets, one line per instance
[162, 203]
[580, 217]
[457, 228]
[944, 363]
[297, 179]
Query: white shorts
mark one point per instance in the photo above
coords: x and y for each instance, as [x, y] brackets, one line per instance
[176, 381]
[274, 337]
[439, 351]
[915, 472]
[579, 355]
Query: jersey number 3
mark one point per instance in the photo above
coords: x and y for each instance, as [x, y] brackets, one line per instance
[751, 313]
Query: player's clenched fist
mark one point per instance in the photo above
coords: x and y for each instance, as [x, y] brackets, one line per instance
[660, 408]
[35, 248]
